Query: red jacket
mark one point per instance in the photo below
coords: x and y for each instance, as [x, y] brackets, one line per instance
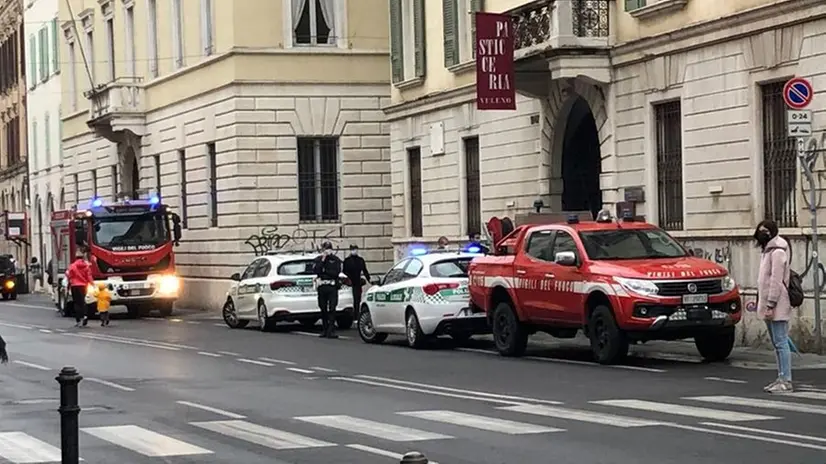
[80, 273]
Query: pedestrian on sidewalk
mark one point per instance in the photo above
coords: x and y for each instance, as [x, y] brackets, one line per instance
[354, 267]
[327, 269]
[104, 300]
[80, 278]
[4, 355]
[773, 305]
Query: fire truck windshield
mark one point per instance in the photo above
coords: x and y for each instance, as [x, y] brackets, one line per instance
[131, 233]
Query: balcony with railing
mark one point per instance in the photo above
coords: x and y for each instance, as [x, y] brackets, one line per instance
[117, 107]
[556, 39]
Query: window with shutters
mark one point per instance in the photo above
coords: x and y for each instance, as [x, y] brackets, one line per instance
[318, 182]
[207, 40]
[115, 182]
[55, 47]
[407, 41]
[33, 56]
[473, 190]
[152, 36]
[72, 77]
[314, 22]
[779, 159]
[129, 24]
[183, 180]
[110, 48]
[177, 34]
[459, 18]
[34, 137]
[90, 52]
[47, 139]
[669, 132]
[43, 53]
[212, 161]
[158, 182]
[414, 168]
[631, 5]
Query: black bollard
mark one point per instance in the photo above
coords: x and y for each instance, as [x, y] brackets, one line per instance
[69, 411]
[414, 457]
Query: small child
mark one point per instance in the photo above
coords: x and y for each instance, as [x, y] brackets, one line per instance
[104, 300]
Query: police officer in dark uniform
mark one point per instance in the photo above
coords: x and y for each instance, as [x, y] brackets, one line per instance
[327, 269]
[354, 267]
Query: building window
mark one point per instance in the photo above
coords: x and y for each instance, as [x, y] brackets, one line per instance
[76, 186]
[318, 179]
[47, 139]
[72, 77]
[158, 180]
[60, 136]
[213, 185]
[35, 138]
[314, 22]
[13, 141]
[43, 53]
[459, 19]
[631, 5]
[94, 182]
[115, 181]
[130, 40]
[32, 61]
[90, 52]
[669, 131]
[473, 190]
[9, 61]
[55, 47]
[177, 34]
[182, 174]
[407, 39]
[779, 159]
[414, 167]
[206, 27]
[110, 47]
[152, 25]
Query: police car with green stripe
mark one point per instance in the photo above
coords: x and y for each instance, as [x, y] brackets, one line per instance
[279, 287]
[424, 295]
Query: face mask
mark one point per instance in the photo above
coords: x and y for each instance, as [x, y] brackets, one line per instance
[326, 252]
[763, 237]
[354, 252]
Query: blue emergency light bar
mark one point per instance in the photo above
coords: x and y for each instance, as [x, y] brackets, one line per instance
[421, 251]
[417, 252]
[573, 219]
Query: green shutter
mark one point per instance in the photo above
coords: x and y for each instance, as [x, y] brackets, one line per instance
[396, 41]
[475, 6]
[33, 60]
[47, 138]
[44, 54]
[631, 5]
[419, 43]
[34, 143]
[451, 29]
[55, 46]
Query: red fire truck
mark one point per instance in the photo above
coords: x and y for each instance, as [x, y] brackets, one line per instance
[130, 243]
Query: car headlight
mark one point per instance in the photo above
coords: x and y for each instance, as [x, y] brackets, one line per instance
[639, 286]
[728, 284]
[9, 284]
[169, 284]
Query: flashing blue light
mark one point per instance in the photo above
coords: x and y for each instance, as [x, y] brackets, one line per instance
[473, 249]
[573, 219]
[417, 251]
[154, 200]
[97, 202]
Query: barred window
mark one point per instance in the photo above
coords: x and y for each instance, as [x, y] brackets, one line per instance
[472, 187]
[669, 130]
[414, 166]
[318, 180]
[779, 159]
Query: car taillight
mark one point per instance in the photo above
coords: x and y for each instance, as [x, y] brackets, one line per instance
[432, 289]
[281, 284]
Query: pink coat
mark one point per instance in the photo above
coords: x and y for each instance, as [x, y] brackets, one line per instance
[772, 279]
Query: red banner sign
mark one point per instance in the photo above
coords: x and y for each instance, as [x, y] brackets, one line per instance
[494, 62]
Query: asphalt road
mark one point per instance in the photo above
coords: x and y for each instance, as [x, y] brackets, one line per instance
[188, 389]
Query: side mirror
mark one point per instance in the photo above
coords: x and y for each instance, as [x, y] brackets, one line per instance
[236, 277]
[565, 258]
[376, 280]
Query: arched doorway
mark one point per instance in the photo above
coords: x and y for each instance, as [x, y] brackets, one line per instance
[581, 160]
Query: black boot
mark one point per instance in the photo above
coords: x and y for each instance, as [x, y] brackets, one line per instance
[331, 323]
[325, 328]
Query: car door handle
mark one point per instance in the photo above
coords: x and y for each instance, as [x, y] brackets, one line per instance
[549, 276]
[521, 272]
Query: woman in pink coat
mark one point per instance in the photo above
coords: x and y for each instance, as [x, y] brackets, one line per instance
[773, 299]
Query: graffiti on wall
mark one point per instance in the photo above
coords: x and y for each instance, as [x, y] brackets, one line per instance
[815, 161]
[270, 239]
[720, 255]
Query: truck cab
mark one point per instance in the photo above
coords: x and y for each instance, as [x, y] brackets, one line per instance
[131, 248]
[620, 282]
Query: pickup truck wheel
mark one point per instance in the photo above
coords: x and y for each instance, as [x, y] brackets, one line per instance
[715, 347]
[367, 331]
[608, 343]
[510, 336]
[415, 336]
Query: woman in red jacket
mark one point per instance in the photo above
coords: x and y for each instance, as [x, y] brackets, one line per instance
[80, 277]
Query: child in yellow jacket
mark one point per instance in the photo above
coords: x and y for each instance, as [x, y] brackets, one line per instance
[104, 300]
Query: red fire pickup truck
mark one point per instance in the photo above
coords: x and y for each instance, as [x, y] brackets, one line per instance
[620, 282]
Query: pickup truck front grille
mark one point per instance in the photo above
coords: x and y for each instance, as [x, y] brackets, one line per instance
[710, 287]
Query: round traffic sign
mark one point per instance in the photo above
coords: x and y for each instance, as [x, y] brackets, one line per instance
[798, 93]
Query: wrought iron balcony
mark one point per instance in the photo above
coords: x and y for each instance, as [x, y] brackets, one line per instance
[116, 107]
[543, 25]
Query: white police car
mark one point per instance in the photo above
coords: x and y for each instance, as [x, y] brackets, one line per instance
[279, 287]
[423, 296]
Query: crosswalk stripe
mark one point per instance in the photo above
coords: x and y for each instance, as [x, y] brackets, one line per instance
[372, 428]
[20, 448]
[811, 395]
[690, 411]
[581, 416]
[491, 424]
[144, 441]
[260, 435]
[762, 404]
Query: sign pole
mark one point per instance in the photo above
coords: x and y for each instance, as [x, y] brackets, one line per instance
[798, 94]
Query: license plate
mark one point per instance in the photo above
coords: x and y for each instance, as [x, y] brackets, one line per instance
[695, 299]
[134, 292]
